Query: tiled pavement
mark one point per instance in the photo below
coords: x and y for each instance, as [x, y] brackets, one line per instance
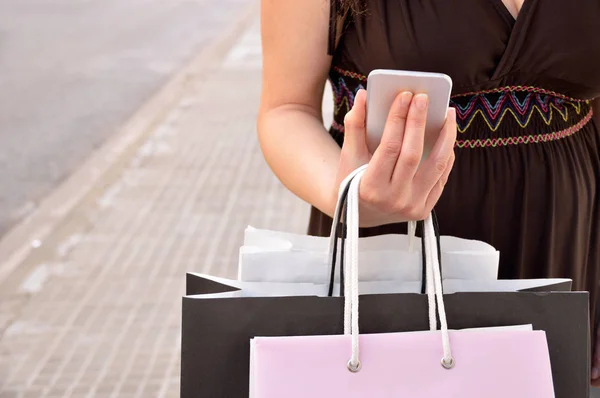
[102, 317]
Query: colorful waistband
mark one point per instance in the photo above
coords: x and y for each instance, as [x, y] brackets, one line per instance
[525, 139]
[503, 116]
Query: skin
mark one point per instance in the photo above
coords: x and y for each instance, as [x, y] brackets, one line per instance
[307, 160]
[513, 6]
[394, 188]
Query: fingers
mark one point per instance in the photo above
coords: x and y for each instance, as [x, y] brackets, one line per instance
[397, 183]
[436, 192]
[437, 166]
[414, 137]
[386, 155]
[355, 136]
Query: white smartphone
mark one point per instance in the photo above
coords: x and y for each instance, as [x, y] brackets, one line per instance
[384, 85]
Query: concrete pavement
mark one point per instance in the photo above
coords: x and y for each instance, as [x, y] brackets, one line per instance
[93, 309]
[72, 72]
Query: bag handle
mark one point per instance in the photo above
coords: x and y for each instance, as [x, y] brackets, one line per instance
[333, 237]
[339, 228]
[433, 276]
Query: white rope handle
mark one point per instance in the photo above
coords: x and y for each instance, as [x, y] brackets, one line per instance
[433, 277]
[332, 239]
[412, 225]
[352, 273]
[412, 233]
[429, 277]
[338, 213]
[432, 258]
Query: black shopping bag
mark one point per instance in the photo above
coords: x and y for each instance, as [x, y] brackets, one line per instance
[217, 328]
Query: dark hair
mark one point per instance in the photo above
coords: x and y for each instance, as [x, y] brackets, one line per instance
[342, 9]
[351, 7]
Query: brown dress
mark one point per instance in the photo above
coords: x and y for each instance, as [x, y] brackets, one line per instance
[527, 170]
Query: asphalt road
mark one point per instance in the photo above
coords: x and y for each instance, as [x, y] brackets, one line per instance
[73, 71]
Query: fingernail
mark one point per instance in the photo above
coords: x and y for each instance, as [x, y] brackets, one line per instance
[452, 113]
[421, 101]
[595, 373]
[405, 98]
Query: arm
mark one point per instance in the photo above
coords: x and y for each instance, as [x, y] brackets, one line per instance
[290, 129]
[303, 155]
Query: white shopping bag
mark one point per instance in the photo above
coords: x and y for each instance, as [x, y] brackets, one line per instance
[270, 256]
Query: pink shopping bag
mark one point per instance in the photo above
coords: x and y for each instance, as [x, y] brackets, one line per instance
[488, 364]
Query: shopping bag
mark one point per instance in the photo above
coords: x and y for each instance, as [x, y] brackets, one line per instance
[401, 364]
[294, 265]
[218, 322]
[490, 364]
[272, 256]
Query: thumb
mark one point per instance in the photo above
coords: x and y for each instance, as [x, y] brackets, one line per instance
[355, 131]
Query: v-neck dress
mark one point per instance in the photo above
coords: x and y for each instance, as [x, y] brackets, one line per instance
[527, 170]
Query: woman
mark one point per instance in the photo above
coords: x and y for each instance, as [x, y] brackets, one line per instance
[526, 161]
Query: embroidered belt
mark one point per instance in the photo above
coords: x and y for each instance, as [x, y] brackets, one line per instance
[499, 117]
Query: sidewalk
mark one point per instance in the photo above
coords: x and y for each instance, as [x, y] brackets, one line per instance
[99, 314]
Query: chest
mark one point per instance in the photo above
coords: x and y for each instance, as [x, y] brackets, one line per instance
[513, 7]
[483, 43]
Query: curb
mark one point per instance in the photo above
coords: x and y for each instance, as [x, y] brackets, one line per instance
[31, 241]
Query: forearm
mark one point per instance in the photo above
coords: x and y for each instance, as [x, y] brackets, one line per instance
[301, 153]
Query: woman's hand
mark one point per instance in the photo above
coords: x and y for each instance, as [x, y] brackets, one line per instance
[397, 187]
